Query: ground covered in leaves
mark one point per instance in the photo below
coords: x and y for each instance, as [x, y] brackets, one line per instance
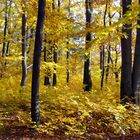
[67, 113]
[11, 130]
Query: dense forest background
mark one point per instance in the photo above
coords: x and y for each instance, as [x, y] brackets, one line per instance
[70, 69]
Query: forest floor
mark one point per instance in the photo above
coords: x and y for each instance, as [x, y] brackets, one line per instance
[12, 132]
[66, 113]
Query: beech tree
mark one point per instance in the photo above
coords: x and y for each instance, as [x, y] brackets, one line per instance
[23, 31]
[126, 81]
[36, 62]
[87, 77]
[109, 45]
[102, 51]
[55, 51]
[136, 68]
[68, 53]
[5, 29]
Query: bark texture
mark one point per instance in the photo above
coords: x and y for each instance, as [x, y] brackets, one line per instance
[5, 29]
[136, 68]
[24, 65]
[87, 76]
[36, 63]
[126, 80]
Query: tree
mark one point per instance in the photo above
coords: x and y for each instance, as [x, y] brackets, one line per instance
[87, 77]
[36, 62]
[68, 53]
[136, 68]
[102, 52]
[47, 72]
[24, 65]
[5, 29]
[55, 61]
[126, 81]
[109, 46]
[55, 51]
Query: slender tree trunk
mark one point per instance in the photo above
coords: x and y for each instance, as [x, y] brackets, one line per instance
[116, 72]
[55, 54]
[36, 63]
[109, 49]
[46, 78]
[5, 29]
[48, 53]
[102, 67]
[87, 76]
[109, 46]
[24, 65]
[126, 83]
[45, 60]
[7, 48]
[53, 5]
[68, 74]
[59, 4]
[67, 54]
[9, 16]
[117, 52]
[102, 53]
[136, 69]
[55, 61]
[108, 62]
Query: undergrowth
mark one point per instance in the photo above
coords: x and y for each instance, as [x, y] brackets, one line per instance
[67, 110]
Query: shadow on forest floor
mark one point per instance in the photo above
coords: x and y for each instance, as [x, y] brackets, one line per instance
[9, 131]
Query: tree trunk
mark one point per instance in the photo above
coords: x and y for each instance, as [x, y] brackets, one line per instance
[108, 62]
[126, 85]
[5, 29]
[46, 79]
[67, 54]
[136, 68]
[102, 53]
[87, 77]
[55, 61]
[9, 16]
[24, 65]
[116, 70]
[59, 4]
[109, 47]
[55, 52]
[68, 73]
[102, 67]
[36, 63]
